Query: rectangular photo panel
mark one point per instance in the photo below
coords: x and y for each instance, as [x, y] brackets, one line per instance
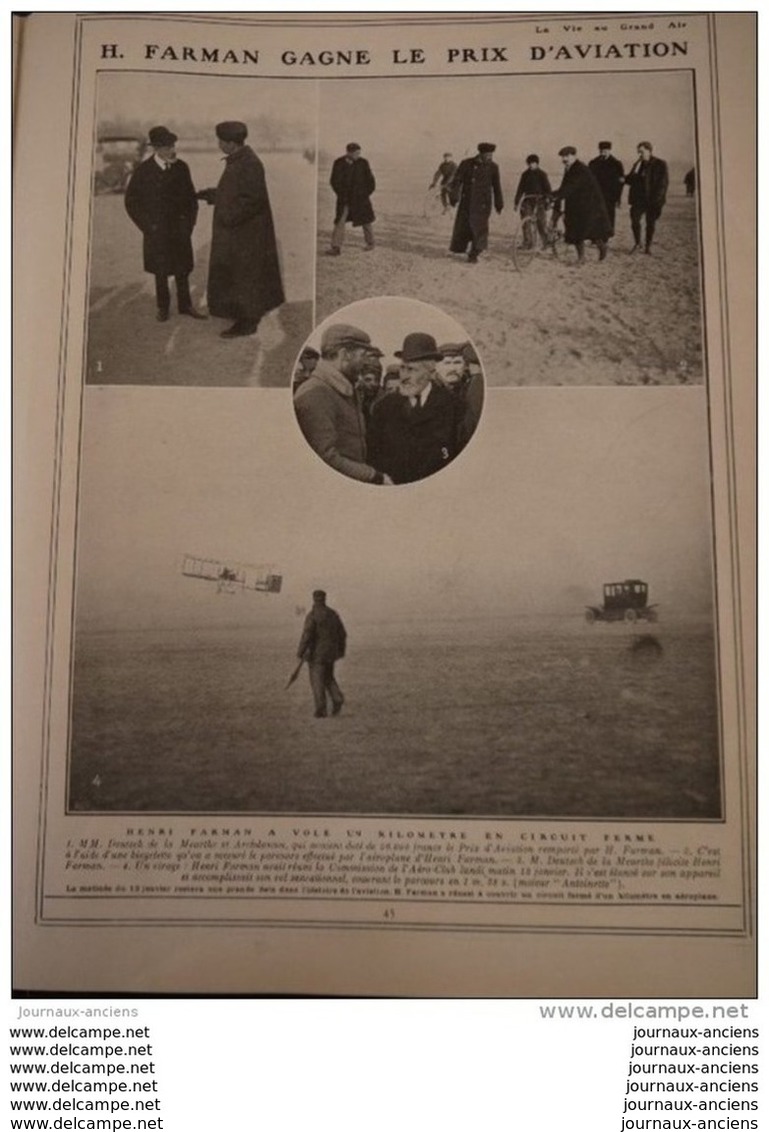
[202, 223]
[530, 632]
[554, 215]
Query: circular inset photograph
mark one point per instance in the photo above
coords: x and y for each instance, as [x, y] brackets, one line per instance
[388, 390]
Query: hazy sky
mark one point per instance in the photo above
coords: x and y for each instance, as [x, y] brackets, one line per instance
[157, 99]
[558, 492]
[417, 119]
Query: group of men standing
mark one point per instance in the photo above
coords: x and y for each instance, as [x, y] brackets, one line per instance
[588, 196]
[244, 281]
[383, 431]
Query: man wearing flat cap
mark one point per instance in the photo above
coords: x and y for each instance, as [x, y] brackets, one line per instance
[532, 194]
[585, 212]
[610, 175]
[323, 643]
[329, 411]
[160, 199]
[647, 192]
[478, 187]
[244, 281]
[459, 371]
[353, 183]
[414, 433]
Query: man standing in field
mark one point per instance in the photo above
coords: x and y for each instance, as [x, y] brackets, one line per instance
[648, 185]
[353, 183]
[478, 185]
[610, 175]
[243, 272]
[161, 201]
[585, 212]
[323, 642]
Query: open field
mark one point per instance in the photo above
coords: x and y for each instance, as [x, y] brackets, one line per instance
[632, 320]
[126, 346]
[508, 717]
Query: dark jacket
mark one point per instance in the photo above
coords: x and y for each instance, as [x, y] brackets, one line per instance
[478, 185]
[585, 212]
[324, 637]
[331, 418]
[533, 182]
[243, 272]
[610, 175]
[444, 173]
[410, 443]
[648, 184]
[163, 205]
[471, 393]
[353, 182]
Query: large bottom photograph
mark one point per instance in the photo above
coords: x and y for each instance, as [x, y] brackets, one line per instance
[529, 634]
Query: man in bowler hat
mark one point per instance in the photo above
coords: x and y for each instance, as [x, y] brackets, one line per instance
[244, 280]
[478, 186]
[161, 201]
[415, 432]
[323, 642]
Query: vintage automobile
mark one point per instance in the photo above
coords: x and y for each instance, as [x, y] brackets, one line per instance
[116, 158]
[623, 601]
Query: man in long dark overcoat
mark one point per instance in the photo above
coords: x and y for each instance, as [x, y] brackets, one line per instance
[161, 201]
[244, 280]
[415, 432]
[584, 208]
[648, 189]
[609, 172]
[478, 185]
[323, 643]
[353, 183]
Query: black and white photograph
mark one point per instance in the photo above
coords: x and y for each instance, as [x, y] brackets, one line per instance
[475, 663]
[384, 559]
[554, 215]
[201, 268]
[388, 391]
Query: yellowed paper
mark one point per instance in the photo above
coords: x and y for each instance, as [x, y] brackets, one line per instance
[540, 780]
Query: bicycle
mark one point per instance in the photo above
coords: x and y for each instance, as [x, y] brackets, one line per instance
[434, 203]
[538, 229]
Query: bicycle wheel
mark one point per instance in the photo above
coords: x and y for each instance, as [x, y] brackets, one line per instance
[525, 242]
[432, 206]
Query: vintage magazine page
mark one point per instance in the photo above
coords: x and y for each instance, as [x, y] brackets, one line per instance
[384, 523]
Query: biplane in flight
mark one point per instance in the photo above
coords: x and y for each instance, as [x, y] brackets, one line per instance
[230, 576]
